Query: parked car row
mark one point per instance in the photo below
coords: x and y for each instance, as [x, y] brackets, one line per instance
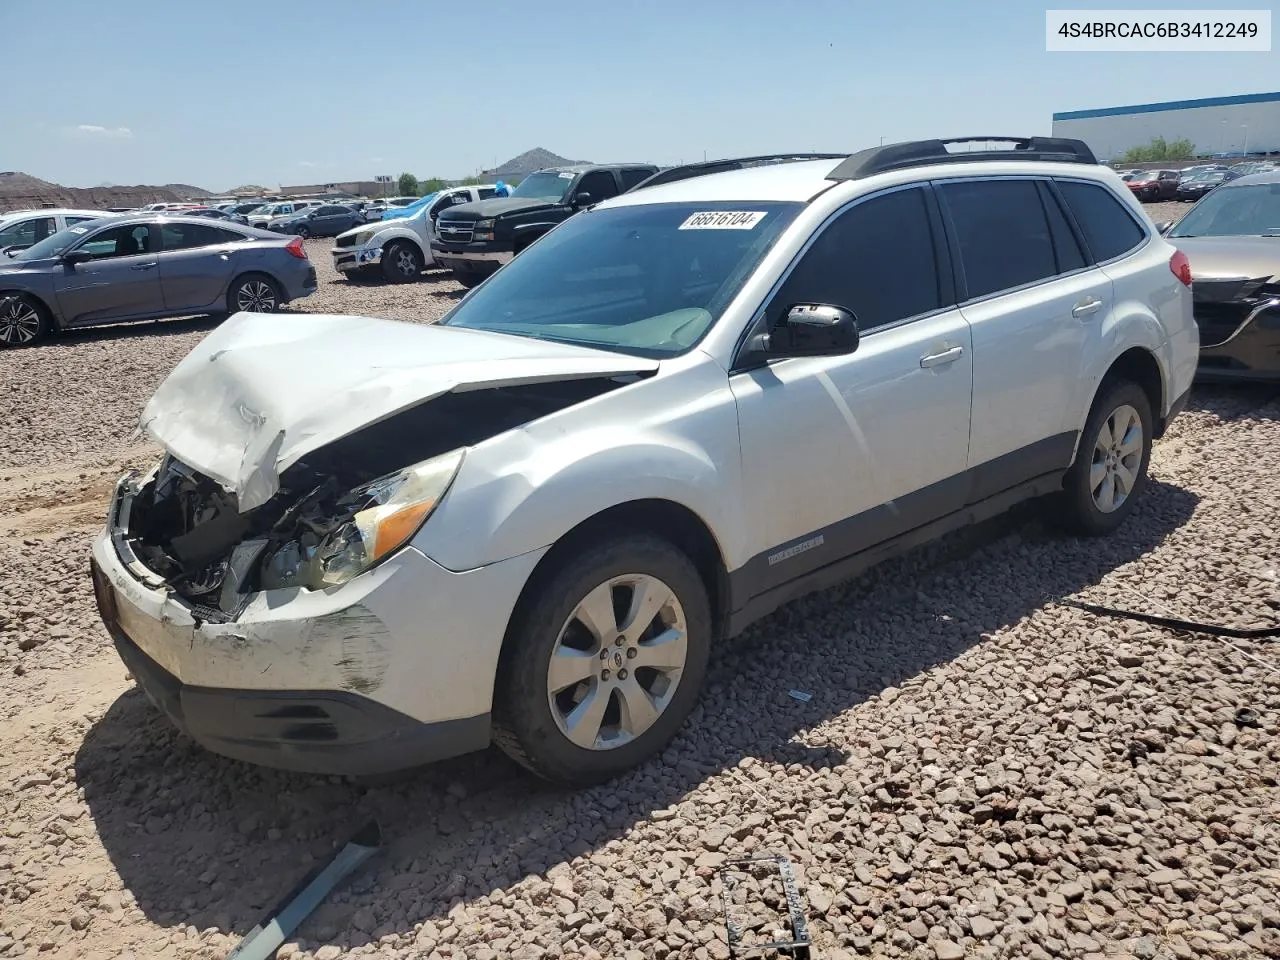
[1188, 183]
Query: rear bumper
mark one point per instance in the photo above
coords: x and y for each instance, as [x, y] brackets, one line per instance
[300, 283]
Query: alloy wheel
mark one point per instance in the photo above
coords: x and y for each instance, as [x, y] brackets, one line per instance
[1117, 458]
[256, 296]
[617, 662]
[19, 322]
[406, 262]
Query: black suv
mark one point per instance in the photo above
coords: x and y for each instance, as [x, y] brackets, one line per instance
[474, 239]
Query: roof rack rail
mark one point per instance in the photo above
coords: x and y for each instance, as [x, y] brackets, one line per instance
[707, 167]
[919, 153]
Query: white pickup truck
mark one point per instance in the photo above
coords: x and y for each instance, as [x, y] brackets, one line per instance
[401, 247]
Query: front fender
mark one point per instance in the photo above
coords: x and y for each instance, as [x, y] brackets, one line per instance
[671, 438]
[382, 237]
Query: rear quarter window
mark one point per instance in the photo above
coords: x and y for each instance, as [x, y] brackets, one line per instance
[1109, 229]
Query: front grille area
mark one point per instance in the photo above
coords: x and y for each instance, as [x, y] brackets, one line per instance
[455, 232]
[1217, 321]
[345, 241]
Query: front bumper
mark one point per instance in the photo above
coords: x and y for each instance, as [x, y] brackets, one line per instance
[391, 670]
[346, 259]
[484, 256]
[1250, 352]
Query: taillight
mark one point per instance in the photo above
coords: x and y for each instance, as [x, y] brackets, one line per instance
[1181, 267]
[295, 247]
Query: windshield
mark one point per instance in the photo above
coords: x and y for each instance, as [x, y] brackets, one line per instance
[52, 245]
[648, 280]
[1233, 211]
[544, 186]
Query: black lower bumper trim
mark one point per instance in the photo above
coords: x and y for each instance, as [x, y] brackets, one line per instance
[323, 731]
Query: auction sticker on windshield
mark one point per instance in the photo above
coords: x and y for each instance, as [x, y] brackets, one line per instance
[723, 220]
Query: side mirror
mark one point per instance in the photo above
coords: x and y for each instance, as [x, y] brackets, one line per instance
[812, 330]
[1164, 226]
[77, 257]
[582, 199]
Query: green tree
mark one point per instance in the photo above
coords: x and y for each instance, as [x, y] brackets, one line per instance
[408, 185]
[1158, 150]
[431, 185]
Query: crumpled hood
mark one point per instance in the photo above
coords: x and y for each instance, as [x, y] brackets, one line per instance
[1222, 257]
[264, 390]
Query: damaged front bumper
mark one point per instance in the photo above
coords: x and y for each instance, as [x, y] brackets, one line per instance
[347, 259]
[388, 671]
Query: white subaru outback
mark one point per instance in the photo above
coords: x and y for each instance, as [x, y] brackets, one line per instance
[374, 544]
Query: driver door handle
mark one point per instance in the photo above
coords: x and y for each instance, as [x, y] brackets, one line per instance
[938, 359]
[1086, 306]
[143, 266]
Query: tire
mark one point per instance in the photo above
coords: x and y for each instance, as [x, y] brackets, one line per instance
[529, 722]
[1082, 507]
[257, 290]
[23, 321]
[401, 262]
[469, 278]
[304, 233]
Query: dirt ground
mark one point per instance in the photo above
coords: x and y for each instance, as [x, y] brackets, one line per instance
[982, 770]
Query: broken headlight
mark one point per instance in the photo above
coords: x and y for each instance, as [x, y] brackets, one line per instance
[368, 524]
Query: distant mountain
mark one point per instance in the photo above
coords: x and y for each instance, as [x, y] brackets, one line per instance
[21, 191]
[528, 162]
[186, 190]
[247, 188]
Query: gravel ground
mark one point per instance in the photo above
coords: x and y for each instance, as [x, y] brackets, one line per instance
[982, 770]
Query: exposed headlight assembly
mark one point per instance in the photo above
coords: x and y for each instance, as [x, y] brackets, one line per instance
[484, 224]
[366, 526]
[363, 237]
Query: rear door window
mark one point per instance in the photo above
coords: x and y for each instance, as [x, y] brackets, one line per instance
[633, 175]
[1002, 232]
[1108, 228]
[187, 236]
[599, 183]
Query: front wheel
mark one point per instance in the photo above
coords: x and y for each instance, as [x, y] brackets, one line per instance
[605, 663]
[1110, 469]
[22, 321]
[401, 262]
[468, 278]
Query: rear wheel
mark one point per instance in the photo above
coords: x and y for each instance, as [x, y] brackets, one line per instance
[401, 262]
[22, 320]
[303, 232]
[254, 293]
[604, 665]
[1110, 469]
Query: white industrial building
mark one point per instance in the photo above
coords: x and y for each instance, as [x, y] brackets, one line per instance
[1217, 126]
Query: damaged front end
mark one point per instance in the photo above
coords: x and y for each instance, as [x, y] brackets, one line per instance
[337, 513]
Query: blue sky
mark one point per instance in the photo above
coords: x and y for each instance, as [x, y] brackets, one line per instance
[225, 92]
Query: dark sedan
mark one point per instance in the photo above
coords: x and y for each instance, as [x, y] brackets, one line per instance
[325, 221]
[1232, 238]
[147, 267]
[1198, 184]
